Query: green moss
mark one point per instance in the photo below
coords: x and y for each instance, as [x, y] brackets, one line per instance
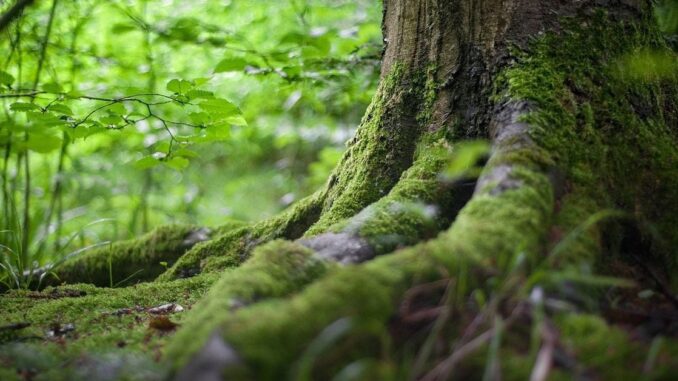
[111, 328]
[270, 335]
[228, 226]
[276, 269]
[609, 352]
[417, 208]
[127, 262]
[626, 148]
[376, 157]
[429, 95]
[577, 241]
[233, 247]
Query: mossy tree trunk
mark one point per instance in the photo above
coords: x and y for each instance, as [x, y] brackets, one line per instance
[392, 271]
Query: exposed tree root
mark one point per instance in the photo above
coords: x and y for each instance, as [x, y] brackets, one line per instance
[233, 246]
[381, 274]
[506, 214]
[124, 263]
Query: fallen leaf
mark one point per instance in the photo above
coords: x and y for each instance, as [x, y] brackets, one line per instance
[162, 323]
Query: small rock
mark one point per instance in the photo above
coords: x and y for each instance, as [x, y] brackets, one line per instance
[166, 309]
[58, 330]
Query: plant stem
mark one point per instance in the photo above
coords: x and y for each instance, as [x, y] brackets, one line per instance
[27, 181]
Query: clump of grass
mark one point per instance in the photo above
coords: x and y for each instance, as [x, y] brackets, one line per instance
[20, 266]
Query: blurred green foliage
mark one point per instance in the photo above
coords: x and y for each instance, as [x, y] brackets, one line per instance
[660, 62]
[148, 112]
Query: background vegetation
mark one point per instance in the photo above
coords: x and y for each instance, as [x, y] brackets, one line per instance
[118, 116]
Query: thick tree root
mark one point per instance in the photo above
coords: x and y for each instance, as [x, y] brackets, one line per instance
[233, 246]
[418, 207]
[128, 262]
[270, 335]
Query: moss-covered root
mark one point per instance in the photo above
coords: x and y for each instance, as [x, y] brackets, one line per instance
[418, 207]
[232, 247]
[275, 269]
[383, 147]
[127, 262]
[270, 336]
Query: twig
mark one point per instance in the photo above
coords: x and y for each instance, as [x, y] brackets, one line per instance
[544, 362]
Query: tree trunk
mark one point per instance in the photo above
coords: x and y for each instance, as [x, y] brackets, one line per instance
[529, 268]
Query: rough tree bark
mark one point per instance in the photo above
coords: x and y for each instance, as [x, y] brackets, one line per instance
[393, 272]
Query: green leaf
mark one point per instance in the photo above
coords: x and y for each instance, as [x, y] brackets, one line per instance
[200, 118]
[161, 147]
[218, 132]
[220, 107]
[85, 131]
[121, 28]
[6, 78]
[43, 143]
[183, 152]
[61, 109]
[52, 88]
[146, 162]
[44, 119]
[200, 81]
[117, 109]
[179, 86]
[22, 106]
[111, 120]
[230, 64]
[195, 94]
[295, 38]
[465, 157]
[177, 163]
[74, 93]
[237, 120]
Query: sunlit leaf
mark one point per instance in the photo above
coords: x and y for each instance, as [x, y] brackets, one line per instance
[196, 94]
[179, 86]
[177, 163]
[117, 108]
[236, 120]
[22, 106]
[199, 118]
[220, 107]
[43, 143]
[52, 88]
[44, 119]
[183, 152]
[83, 131]
[146, 162]
[465, 157]
[121, 28]
[111, 120]
[60, 108]
[231, 64]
